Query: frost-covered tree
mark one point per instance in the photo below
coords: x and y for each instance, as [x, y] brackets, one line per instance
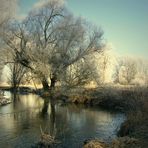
[50, 40]
[7, 11]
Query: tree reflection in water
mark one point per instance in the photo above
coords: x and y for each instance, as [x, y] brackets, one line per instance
[50, 128]
[70, 124]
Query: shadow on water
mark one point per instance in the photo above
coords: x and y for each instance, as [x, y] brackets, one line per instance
[20, 122]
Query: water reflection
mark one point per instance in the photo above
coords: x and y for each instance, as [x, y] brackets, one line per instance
[49, 109]
[20, 122]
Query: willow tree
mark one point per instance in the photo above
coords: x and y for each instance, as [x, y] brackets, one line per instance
[51, 39]
[60, 40]
[42, 22]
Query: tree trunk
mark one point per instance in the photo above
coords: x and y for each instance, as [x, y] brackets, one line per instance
[53, 81]
[45, 107]
[15, 87]
[45, 84]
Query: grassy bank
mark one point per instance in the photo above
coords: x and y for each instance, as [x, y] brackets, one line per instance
[134, 103]
[136, 124]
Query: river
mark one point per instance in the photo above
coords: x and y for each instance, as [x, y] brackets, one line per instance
[71, 124]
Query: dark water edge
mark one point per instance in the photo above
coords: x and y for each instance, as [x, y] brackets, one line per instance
[71, 124]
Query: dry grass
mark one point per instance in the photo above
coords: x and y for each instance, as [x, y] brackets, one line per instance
[134, 102]
[136, 124]
[95, 144]
[123, 142]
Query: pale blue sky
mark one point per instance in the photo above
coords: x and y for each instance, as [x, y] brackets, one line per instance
[125, 22]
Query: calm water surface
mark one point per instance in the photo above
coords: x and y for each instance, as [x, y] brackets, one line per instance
[20, 123]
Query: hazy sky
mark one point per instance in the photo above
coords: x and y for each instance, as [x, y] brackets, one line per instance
[125, 22]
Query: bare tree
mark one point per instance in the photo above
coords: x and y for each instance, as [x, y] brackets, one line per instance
[42, 26]
[79, 74]
[15, 51]
[118, 66]
[130, 69]
[126, 70]
[104, 62]
[75, 42]
[60, 40]
[50, 40]
[7, 11]
[17, 72]
[142, 72]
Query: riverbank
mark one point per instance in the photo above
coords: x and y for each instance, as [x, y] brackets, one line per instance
[134, 103]
[122, 142]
